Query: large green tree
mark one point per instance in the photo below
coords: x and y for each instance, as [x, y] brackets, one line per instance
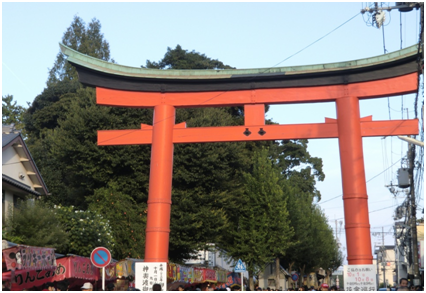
[261, 230]
[316, 246]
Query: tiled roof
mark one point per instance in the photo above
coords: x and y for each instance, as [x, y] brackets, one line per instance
[7, 138]
[18, 184]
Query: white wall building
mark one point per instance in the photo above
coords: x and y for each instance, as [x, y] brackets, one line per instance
[386, 267]
[20, 176]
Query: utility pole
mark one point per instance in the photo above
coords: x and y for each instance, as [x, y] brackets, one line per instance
[412, 215]
[383, 259]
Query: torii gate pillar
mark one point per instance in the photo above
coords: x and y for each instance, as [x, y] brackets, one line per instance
[355, 199]
[160, 185]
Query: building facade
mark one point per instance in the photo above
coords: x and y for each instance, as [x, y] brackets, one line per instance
[20, 176]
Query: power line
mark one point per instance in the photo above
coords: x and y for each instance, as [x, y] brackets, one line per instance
[373, 211]
[317, 40]
[365, 182]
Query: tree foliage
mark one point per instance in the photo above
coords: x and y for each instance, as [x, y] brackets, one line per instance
[87, 40]
[316, 246]
[127, 220]
[86, 230]
[12, 113]
[33, 223]
[179, 58]
[261, 230]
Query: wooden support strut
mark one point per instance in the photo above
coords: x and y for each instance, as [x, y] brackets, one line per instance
[329, 129]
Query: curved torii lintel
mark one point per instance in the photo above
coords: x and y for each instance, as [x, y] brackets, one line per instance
[102, 74]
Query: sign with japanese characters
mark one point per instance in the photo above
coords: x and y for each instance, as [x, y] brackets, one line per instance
[149, 273]
[360, 277]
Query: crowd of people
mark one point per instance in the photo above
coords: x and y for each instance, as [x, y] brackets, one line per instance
[404, 285]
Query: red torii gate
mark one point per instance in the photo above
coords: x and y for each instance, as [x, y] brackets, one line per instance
[165, 90]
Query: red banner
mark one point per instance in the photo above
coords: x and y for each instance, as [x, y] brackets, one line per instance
[29, 257]
[210, 276]
[26, 279]
[76, 267]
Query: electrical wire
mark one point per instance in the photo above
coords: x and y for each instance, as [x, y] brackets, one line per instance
[365, 182]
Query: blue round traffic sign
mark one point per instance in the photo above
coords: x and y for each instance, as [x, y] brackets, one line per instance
[100, 257]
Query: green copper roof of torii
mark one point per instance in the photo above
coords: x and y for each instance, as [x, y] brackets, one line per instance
[101, 66]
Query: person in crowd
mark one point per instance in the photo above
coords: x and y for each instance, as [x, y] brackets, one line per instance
[403, 284]
[181, 288]
[156, 287]
[110, 287]
[87, 287]
[49, 287]
[61, 286]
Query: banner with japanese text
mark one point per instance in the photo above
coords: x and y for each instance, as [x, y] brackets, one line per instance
[149, 273]
[359, 277]
[77, 267]
[29, 257]
[27, 279]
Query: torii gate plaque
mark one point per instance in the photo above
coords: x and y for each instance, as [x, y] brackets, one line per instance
[344, 83]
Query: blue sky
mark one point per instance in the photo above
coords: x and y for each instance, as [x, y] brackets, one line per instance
[243, 35]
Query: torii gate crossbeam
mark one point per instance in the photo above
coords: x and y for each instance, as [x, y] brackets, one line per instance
[392, 74]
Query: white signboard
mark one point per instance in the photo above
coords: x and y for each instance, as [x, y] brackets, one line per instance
[359, 277]
[149, 273]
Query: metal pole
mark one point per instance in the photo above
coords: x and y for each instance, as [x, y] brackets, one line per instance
[103, 278]
[242, 282]
[383, 258]
[411, 155]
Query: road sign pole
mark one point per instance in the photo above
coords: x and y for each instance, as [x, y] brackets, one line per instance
[242, 282]
[103, 278]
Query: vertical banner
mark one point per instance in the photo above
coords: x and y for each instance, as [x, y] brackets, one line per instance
[359, 277]
[149, 273]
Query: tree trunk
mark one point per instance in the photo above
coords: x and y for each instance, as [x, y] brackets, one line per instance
[302, 273]
[290, 283]
[251, 281]
[277, 273]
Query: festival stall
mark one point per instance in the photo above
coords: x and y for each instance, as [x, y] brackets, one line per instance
[125, 273]
[28, 266]
[77, 270]
[233, 279]
[178, 275]
[222, 278]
